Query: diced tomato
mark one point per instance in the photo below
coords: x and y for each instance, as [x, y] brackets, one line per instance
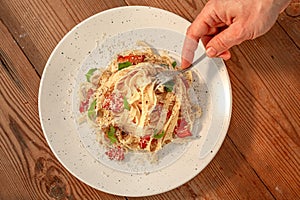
[134, 59]
[182, 129]
[116, 153]
[144, 141]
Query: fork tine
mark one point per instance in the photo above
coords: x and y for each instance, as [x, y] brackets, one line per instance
[164, 77]
[156, 87]
[157, 83]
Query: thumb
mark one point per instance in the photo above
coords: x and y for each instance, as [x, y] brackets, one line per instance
[223, 41]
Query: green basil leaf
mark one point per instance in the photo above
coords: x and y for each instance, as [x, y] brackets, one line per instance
[174, 64]
[126, 104]
[89, 74]
[124, 65]
[91, 110]
[158, 136]
[169, 86]
[111, 134]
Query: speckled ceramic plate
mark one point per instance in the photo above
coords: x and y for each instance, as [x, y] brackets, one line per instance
[94, 42]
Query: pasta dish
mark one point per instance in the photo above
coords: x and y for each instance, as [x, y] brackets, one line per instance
[133, 113]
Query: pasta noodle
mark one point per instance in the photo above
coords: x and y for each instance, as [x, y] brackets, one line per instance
[130, 113]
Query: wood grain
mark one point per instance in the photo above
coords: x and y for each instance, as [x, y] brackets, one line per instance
[261, 77]
[38, 26]
[219, 180]
[290, 21]
[260, 157]
[28, 168]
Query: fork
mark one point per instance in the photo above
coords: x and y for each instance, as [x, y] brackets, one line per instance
[165, 76]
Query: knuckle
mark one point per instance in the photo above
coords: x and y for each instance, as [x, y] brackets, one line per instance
[191, 32]
[244, 32]
[189, 29]
[221, 42]
[239, 33]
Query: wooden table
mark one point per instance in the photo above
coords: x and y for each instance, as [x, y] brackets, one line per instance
[259, 159]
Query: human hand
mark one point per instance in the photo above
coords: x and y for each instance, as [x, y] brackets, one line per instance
[223, 24]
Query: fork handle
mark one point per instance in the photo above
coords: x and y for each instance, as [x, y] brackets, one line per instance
[194, 63]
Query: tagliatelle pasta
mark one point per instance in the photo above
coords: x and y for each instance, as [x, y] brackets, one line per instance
[131, 114]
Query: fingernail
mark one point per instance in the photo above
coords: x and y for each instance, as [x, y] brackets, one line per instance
[211, 52]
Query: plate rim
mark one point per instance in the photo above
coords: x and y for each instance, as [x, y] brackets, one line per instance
[217, 146]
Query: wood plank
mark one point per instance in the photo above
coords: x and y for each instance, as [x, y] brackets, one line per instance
[265, 121]
[38, 26]
[264, 129]
[27, 166]
[290, 21]
[228, 176]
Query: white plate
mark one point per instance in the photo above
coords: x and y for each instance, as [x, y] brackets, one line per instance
[77, 50]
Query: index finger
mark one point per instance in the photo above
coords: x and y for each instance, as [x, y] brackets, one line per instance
[194, 32]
